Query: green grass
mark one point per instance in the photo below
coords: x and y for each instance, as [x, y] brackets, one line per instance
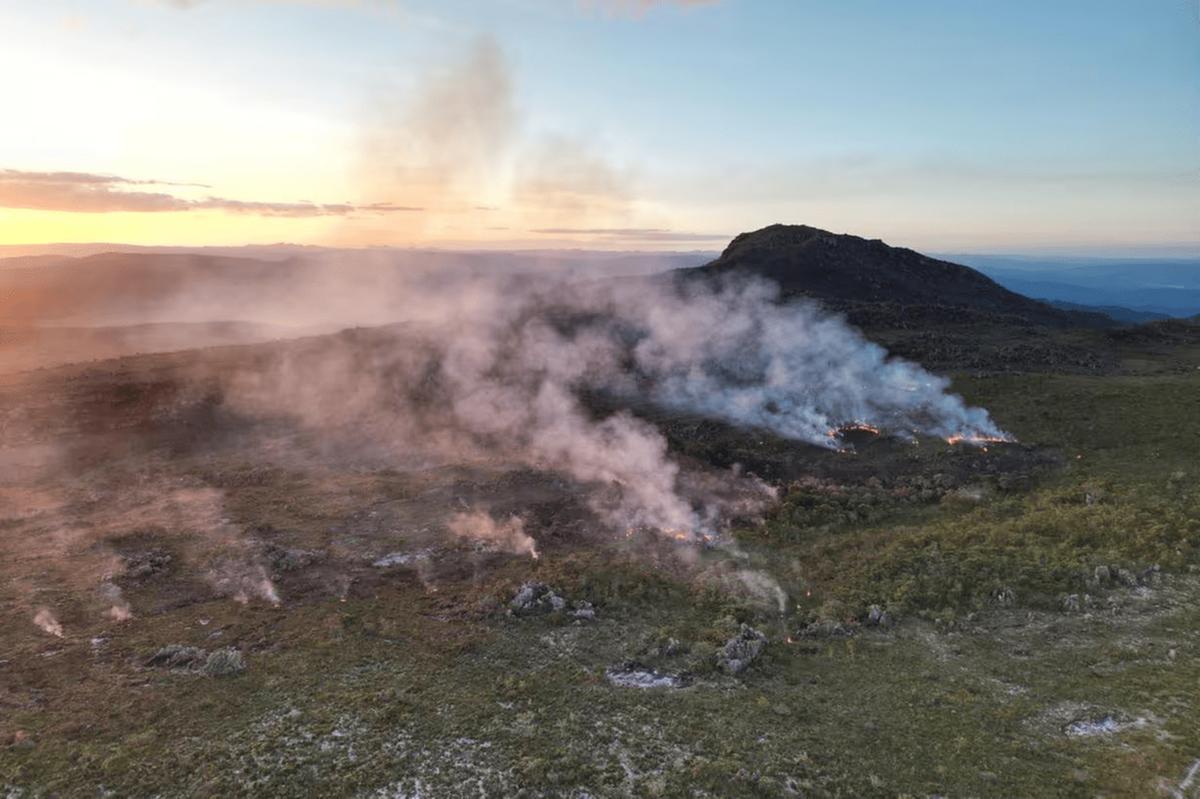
[407, 688]
[1127, 495]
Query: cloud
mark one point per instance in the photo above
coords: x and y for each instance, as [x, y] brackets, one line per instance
[86, 192]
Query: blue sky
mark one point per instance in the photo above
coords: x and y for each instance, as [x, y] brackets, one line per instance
[945, 125]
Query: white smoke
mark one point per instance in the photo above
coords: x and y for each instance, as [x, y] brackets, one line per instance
[737, 354]
[507, 536]
[119, 609]
[45, 619]
[517, 368]
[243, 582]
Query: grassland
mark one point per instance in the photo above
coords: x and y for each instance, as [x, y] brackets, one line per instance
[992, 682]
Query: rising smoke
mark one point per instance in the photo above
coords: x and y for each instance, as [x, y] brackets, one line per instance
[523, 370]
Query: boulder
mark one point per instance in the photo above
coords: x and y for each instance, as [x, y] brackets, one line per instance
[224, 663]
[583, 611]
[177, 656]
[534, 598]
[878, 617]
[741, 650]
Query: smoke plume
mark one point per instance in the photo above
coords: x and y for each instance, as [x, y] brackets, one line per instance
[529, 371]
[507, 536]
[45, 619]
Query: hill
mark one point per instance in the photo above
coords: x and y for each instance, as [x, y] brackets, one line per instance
[877, 284]
[1165, 286]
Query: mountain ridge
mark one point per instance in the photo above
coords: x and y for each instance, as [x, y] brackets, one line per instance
[862, 276]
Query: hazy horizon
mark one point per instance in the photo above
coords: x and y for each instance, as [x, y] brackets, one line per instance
[601, 124]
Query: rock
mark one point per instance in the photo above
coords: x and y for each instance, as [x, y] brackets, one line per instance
[224, 663]
[826, 629]
[1102, 575]
[741, 650]
[878, 617]
[219, 663]
[403, 559]
[147, 564]
[177, 656]
[534, 598]
[583, 611]
[635, 675]
[287, 560]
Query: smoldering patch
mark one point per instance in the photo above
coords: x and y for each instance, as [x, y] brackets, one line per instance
[45, 619]
[506, 535]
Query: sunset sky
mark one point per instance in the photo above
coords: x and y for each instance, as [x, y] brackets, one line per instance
[946, 125]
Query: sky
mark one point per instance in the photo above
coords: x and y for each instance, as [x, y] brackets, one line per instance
[1070, 126]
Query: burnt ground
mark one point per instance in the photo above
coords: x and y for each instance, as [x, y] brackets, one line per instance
[382, 660]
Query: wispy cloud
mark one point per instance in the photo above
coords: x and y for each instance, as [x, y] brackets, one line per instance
[86, 192]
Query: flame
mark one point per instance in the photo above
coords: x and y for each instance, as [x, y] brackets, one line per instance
[861, 427]
[835, 435]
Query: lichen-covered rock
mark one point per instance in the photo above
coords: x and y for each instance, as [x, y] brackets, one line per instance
[878, 617]
[583, 610]
[826, 629]
[224, 663]
[177, 656]
[741, 650]
[535, 598]
[284, 559]
[634, 675]
[146, 564]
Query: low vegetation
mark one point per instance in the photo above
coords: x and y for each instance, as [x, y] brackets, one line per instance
[992, 681]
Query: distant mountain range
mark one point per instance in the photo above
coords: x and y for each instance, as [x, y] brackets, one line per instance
[1170, 287]
[59, 309]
